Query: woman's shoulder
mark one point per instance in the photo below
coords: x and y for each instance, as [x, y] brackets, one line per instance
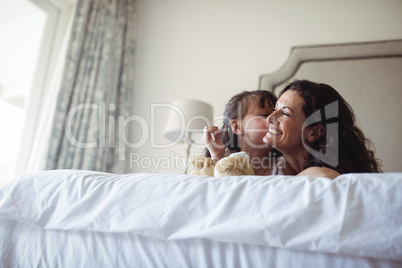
[317, 172]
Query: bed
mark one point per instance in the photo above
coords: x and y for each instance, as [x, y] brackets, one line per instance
[77, 218]
[69, 218]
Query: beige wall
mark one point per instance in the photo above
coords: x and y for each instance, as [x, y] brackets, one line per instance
[212, 49]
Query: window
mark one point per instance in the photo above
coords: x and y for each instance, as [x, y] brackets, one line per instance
[31, 35]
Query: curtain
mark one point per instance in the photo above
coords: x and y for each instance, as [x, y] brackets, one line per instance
[89, 127]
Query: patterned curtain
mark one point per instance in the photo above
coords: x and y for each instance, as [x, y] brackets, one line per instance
[94, 100]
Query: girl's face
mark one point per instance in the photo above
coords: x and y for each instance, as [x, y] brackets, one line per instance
[286, 123]
[255, 125]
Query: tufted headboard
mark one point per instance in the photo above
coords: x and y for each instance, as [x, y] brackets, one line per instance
[368, 75]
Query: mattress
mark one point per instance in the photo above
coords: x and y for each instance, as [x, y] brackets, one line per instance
[71, 218]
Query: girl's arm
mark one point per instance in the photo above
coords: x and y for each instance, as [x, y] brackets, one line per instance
[212, 139]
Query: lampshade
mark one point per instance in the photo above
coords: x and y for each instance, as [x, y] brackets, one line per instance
[187, 118]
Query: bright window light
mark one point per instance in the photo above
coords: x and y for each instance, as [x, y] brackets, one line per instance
[21, 28]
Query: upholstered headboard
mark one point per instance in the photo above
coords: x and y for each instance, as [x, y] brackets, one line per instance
[368, 75]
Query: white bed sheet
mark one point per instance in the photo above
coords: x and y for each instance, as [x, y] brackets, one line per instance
[81, 218]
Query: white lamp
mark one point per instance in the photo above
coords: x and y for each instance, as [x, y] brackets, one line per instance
[186, 121]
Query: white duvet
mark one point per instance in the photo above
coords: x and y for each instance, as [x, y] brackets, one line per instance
[357, 216]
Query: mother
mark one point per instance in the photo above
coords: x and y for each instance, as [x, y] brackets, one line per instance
[314, 128]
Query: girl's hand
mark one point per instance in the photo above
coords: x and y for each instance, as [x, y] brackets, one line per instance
[212, 139]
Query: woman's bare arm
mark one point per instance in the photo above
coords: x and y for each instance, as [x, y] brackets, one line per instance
[317, 172]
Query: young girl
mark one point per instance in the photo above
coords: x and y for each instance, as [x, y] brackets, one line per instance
[243, 130]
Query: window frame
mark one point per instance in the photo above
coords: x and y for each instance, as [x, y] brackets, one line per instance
[59, 14]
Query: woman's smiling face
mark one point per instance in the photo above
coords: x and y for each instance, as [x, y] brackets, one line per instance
[286, 123]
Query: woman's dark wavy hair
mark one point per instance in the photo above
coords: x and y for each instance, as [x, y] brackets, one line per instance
[236, 108]
[355, 153]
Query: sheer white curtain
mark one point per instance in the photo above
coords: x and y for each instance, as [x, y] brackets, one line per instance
[37, 159]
